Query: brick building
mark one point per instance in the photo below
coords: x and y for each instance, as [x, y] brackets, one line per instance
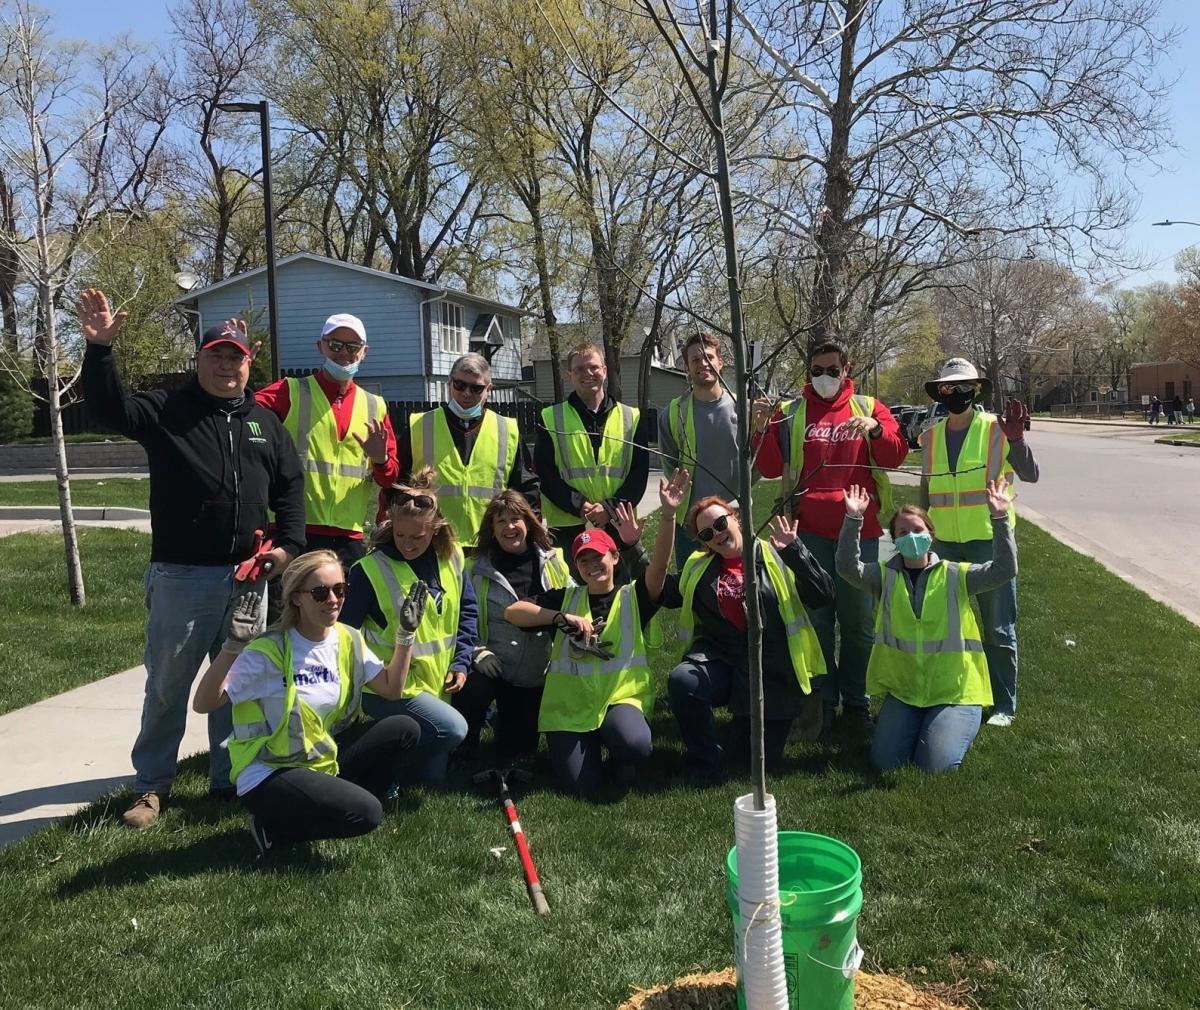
[1164, 379]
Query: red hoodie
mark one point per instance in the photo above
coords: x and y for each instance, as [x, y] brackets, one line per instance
[822, 506]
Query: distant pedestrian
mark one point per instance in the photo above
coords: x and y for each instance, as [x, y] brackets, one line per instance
[1191, 410]
[1177, 411]
[1155, 409]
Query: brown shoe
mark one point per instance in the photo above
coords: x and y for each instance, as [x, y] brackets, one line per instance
[144, 812]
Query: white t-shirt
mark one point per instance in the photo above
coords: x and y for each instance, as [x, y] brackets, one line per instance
[314, 664]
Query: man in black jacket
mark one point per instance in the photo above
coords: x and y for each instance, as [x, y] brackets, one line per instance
[218, 463]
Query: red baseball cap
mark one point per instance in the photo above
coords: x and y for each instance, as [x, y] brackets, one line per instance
[592, 540]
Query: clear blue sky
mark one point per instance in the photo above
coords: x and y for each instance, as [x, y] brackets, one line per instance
[1169, 192]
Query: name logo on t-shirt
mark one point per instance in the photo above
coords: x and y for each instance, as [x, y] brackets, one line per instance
[316, 675]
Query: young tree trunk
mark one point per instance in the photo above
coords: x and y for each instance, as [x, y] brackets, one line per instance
[62, 475]
[549, 320]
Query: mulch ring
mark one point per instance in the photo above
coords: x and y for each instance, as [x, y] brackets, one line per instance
[718, 991]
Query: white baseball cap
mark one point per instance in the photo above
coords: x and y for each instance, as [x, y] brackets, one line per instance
[347, 321]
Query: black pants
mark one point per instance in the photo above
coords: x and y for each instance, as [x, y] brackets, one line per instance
[348, 551]
[516, 714]
[578, 757]
[301, 805]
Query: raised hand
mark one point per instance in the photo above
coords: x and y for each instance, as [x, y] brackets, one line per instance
[96, 318]
[1013, 421]
[412, 609]
[374, 446]
[244, 623]
[998, 500]
[673, 493]
[761, 413]
[783, 531]
[629, 529]
[857, 500]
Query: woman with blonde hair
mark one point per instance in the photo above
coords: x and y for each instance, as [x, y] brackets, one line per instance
[417, 544]
[927, 662]
[513, 561]
[710, 592]
[305, 761]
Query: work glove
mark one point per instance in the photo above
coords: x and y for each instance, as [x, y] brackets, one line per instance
[488, 663]
[243, 621]
[593, 646]
[412, 609]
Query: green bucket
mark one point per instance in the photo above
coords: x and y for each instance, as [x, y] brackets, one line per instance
[820, 895]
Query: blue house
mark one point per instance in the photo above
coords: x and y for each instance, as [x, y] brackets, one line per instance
[415, 329]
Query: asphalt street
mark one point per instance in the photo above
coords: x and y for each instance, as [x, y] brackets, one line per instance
[1114, 494]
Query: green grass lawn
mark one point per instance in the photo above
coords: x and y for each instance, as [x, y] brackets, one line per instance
[114, 492]
[1183, 436]
[1059, 868]
[50, 646]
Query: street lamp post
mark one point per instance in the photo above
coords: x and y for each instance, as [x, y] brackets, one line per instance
[1168, 222]
[264, 126]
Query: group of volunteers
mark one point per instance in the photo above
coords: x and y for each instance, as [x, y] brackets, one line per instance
[503, 587]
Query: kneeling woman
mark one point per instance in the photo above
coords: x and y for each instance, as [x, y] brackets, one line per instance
[513, 561]
[712, 625]
[928, 659]
[599, 687]
[306, 762]
[417, 544]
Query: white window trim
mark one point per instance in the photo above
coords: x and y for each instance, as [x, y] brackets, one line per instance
[451, 327]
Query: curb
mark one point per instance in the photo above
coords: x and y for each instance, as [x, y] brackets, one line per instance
[94, 512]
[1092, 424]
[1177, 441]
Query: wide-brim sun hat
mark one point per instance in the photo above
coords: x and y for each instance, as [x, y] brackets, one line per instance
[959, 370]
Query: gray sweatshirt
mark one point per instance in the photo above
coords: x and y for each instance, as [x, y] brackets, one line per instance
[980, 578]
[715, 448]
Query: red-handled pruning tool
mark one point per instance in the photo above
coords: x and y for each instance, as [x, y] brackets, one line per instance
[258, 565]
[532, 884]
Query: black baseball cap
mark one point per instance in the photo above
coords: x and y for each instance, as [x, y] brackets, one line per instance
[223, 334]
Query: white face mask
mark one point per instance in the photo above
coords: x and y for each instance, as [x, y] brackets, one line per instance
[826, 386]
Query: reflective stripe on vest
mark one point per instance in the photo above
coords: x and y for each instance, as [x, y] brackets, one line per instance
[795, 417]
[437, 634]
[337, 487]
[285, 732]
[464, 489]
[594, 475]
[803, 646]
[958, 500]
[934, 659]
[580, 687]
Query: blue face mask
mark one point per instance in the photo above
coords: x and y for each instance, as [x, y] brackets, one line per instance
[343, 373]
[466, 413]
[913, 545]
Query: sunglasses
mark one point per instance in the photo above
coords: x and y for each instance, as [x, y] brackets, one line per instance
[337, 346]
[720, 525]
[418, 501]
[833, 371]
[946, 388]
[469, 387]
[321, 593]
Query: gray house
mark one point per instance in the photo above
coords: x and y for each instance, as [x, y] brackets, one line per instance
[415, 329]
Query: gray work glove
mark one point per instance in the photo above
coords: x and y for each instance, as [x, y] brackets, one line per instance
[488, 663]
[593, 647]
[410, 614]
[243, 621]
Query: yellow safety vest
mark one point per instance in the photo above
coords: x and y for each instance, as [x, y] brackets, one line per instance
[681, 423]
[580, 687]
[433, 650]
[934, 659]
[595, 476]
[338, 490]
[793, 463]
[464, 489]
[805, 650]
[958, 501]
[285, 732]
[554, 575]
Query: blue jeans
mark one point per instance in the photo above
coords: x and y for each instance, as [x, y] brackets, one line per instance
[694, 689]
[935, 739]
[998, 623]
[189, 613]
[853, 611]
[442, 729]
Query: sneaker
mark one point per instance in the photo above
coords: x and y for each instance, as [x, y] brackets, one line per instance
[259, 836]
[144, 812]
[1001, 719]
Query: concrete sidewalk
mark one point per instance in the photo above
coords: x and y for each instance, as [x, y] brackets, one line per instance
[63, 753]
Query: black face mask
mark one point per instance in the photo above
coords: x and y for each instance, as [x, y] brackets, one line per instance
[956, 403]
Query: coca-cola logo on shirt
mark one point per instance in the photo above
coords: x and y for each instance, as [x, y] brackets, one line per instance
[825, 431]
